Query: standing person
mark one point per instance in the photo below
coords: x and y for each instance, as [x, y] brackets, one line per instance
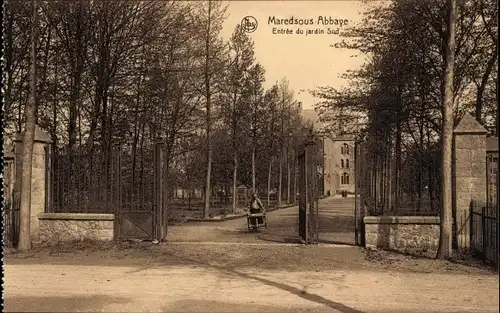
[256, 206]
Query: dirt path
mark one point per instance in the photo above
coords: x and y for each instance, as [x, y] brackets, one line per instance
[282, 227]
[336, 223]
[336, 220]
[219, 277]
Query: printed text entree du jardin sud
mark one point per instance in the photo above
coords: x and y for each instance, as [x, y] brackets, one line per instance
[319, 21]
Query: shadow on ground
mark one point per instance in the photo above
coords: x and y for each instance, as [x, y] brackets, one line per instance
[228, 270]
[222, 307]
[63, 304]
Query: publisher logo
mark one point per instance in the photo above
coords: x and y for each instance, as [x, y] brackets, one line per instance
[249, 24]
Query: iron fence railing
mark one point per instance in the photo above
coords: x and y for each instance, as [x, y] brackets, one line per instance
[401, 184]
[483, 231]
[10, 221]
[491, 176]
[79, 183]
[89, 183]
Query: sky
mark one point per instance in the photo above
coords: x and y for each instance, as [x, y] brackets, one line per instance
[306, 60]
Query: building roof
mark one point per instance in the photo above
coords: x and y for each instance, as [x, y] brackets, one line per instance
[312, 115]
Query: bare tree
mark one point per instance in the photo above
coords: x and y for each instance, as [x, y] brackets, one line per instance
[255, 92]
[28, 140]
[16, 53]
[445, 238]
[242, 59]
[286, 99]
[212, 16]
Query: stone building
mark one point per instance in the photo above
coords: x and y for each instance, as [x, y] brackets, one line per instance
[339, 165]
[338, 159]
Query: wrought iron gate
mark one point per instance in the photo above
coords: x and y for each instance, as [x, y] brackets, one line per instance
[308, 192]
[139, 208]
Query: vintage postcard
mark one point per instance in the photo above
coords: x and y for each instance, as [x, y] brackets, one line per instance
[250, 156]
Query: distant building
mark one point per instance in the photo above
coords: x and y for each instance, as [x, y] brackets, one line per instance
[339, 164]
[338, 159]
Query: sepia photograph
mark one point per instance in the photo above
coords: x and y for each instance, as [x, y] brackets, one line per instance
[326, 156]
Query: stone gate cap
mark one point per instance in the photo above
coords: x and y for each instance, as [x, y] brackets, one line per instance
[469, 125]
[40, 135]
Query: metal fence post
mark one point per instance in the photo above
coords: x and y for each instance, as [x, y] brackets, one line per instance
[117, 191]
[48, 181]
[471, 225]
[356, 192]
[158, 192]
[483, 233]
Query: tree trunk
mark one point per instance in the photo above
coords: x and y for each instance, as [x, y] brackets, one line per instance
[420, 166]
[383, 173]
[166, 191]
[73, 108]
[235, 173]
[388, 179]
[53, 131]
[280, 178]
[445, 240]
[482, 87]
[253, 169]
[269, 182]
[208, 178]
[165, 198]
[8, 62]
[295, 181]
[289, 177]
[19, 123]
[28, 140]
[397, 178]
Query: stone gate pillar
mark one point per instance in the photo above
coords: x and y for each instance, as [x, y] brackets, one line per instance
[468, 174]
[38, 177]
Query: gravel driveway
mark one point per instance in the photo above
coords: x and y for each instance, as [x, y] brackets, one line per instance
[222, 277]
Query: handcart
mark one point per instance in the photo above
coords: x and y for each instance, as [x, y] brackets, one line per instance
[256, 219]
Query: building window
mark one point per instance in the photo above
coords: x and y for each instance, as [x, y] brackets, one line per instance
[347, 163]
[344, 149]
[344, 179]
[342, 163]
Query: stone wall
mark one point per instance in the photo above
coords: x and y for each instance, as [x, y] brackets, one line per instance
[411, 233]
[65, 227]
